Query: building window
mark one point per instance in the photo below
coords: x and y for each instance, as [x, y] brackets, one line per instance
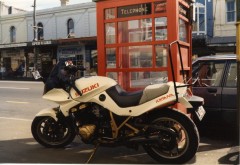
[199, 26]
[12, 34]
[70, 26]
[230, 10]
[40, 31]
[10, 10]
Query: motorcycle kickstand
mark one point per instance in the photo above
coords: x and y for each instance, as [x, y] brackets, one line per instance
[93, 153]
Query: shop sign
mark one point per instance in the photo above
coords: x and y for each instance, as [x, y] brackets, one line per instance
[41, 43]
[69, 52]
[134, 10]
[13, 45]
[160, 7]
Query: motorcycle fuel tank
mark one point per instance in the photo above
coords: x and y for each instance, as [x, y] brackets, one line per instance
[91, 86]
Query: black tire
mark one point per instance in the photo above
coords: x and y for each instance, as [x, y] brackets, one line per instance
[50, 133]
[175, 147]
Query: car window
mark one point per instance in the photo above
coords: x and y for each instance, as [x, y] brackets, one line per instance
[232, 75]
[208, 73]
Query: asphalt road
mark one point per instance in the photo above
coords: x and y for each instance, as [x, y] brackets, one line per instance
[20, 101]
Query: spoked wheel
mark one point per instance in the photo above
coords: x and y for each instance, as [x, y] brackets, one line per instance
[178, 138]
[51, 133]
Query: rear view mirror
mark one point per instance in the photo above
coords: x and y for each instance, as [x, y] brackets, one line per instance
[36, 75]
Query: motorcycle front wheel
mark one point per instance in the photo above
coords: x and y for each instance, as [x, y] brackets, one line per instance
[178, 138]
[50, 133]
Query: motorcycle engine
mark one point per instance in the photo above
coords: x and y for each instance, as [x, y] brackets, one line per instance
[87, 131]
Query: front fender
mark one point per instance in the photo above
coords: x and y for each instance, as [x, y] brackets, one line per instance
[48, 112]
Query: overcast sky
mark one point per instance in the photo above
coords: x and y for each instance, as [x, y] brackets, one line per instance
[40, 4]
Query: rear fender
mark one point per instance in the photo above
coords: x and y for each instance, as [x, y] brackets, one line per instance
[48, 112]
[185, 102]
[196, 101]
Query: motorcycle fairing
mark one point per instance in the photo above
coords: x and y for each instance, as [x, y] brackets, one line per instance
[48, 112]
[90, 87]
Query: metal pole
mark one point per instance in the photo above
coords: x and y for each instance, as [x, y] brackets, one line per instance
[34, 34]
[238, 66]
[34, 21]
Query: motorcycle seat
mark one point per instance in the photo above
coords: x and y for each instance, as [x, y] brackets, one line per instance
[153, 91]
[123, 98]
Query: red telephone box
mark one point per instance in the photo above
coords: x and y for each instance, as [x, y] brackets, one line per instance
[133, 39]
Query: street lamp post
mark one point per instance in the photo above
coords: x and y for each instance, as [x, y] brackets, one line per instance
[34, 34]
[34, 21]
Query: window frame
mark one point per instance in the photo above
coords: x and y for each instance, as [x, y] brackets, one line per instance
[231, 11]
[40, 31]
[12, 34]
[197, 15]
[70, 27]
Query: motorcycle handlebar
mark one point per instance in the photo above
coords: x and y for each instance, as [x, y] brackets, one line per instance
[73, 69]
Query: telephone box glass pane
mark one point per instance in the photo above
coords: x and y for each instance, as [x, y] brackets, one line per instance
[110, 13]
[182, 30]
[111, 57]
[135, 30]
[113, 75]
[110, 33]
[136, 56]
[161, 55]
[161, 28]
[142, 79]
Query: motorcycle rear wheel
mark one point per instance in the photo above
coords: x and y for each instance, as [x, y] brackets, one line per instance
[50, 133]
[177, 146]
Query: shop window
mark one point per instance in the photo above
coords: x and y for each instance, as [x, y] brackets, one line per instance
[161, 28]
[182, 30]
[111, 57]
[40, 31]
[136, 56]
[161, 55]
[12, 34]
[110, 13]
[135, 30]
[110, 33]
[230, 10]
[70, 28]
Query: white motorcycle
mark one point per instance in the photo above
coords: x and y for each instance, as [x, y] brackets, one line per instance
[101, 113]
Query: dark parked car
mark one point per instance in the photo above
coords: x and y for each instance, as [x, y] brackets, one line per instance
[215, 79]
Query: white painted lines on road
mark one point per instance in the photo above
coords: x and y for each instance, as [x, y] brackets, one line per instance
[14, 88]
[17, 102]
[10, 118]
